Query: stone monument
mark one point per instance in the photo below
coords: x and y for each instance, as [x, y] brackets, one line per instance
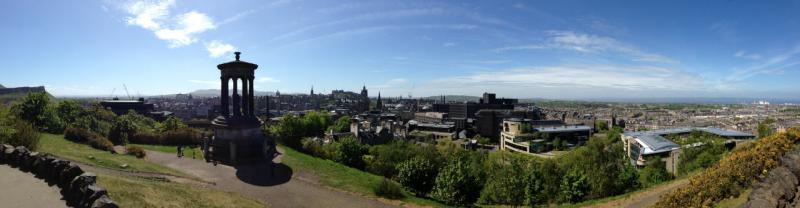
[237, 130]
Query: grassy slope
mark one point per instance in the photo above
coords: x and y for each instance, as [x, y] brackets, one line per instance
[57, 145]
[133, 192]
[342, 177]
[171, 149]
[735, 202]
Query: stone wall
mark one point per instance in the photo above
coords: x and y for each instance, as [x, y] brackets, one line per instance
[781, 186]
[78, 187]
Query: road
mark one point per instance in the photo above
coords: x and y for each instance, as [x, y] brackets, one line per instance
[24, 190]
[645, 198]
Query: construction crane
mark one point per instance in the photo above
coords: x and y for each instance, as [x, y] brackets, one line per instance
[126, 92]
[112, 93]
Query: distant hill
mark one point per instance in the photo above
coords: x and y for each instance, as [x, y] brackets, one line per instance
[215, 92]
[15, 93]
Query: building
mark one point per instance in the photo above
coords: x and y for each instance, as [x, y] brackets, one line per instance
[536, 136]
[649, 144]
[489, 122]
[121, 107]
[460, 113]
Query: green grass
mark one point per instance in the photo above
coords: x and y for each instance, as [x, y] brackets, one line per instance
[172, 149]
[342, 177]
[735, 202]
[134, 192]
[57, 145]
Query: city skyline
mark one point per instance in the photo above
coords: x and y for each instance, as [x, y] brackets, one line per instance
[577, 50]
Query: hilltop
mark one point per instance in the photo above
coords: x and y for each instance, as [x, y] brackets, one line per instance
[14, 93]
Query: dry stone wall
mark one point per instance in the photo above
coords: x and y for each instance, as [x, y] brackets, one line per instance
[79, 188]
[781, 187]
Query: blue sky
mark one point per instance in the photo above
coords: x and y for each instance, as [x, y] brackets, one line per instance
[549, 49]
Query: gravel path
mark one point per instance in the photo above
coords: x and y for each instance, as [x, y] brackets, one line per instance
[23, 190]
[645, 198]
[279, 188]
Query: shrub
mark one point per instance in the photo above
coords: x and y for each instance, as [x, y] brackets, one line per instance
[19, 133]
[733, 173]
[456, 184]
[135, 151]
[417, 174]
[145, 138]
[654, 172]
[349, 152]
[182, 136]
[85, 136]
[314, 148]
[389, 189]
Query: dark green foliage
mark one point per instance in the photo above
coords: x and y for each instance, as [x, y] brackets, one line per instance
[602, 126]
[558, 144]
[506, 180]
[526, 128]
[349, 152]
[135, 151]
[386, 157]
[340, 125]
[315, 148]
[32, 108]
[418, 174]
[85, 136]
[291, 129]
[389, 189]
[535, 187]
[700, 157]
[122, 129]
[574, 187]
[17, 132]
[170, 124]
[457, 183]
[182, 136]
[654, 172]
[764, 128]
[69, 111]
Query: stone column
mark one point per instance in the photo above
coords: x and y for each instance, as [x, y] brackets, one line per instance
[252, 93]
[237, 111]
[245, 95]
[223, 105]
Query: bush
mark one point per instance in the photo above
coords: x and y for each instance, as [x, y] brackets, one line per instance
[314, 148]
[417, 174]
[85, 136]
[145, 138]
[654, 172]
[349, 152]
[456, 184]
[733, 173]
[19, 133]
[182, 136]
[135, 151]
[389, 189]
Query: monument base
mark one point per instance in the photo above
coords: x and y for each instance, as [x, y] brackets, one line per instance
[235, 144]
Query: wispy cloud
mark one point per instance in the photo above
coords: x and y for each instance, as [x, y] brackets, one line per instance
[217, 48]
[448, 44]
[178, 30]
[636, 78]
[267, 80]
[745, 55]
[367, 30]
[586, 43]
[771, 65]
[726, 30]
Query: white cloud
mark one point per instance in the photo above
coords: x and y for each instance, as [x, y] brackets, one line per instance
[745, 55]
[634, 78]
[267, 80]
[448, 44]
[586, 43]
[217, 48]
[180, 30]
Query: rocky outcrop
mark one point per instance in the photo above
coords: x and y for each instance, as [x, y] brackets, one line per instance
[781, 187]
[79, 188]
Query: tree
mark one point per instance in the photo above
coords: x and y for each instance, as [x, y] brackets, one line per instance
[764, 128]
[456, 184]
[340, 125]
[602, 126]
[32, 108]
[573, 186]
[69, 111]
[387, 157]
[505, 181]
[122, 129]
[171, 123]
[349, 152]
[417, 174]
[654, 172]
[535, 187]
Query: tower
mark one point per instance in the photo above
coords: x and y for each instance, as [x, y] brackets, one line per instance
[237, 131]
[312, 91]
[379, 104]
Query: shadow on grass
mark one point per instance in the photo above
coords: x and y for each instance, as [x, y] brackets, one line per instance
[264, 173]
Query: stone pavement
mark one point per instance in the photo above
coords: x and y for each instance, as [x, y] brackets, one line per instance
[23, 190]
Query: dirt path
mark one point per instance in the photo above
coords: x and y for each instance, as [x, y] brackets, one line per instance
[24, 190]
[276, 186]
[643, 199]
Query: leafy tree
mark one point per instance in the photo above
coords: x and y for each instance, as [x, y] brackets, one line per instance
[349, 152]
[764, 128]
[386, 157]
[122, 129]
[17, 132]
[573, 186]
[340, 125]
[654, 172]
[456, 184]
[602, 126]
[32, 108]
[418, 174]
[526, 128]
[535, 187]
[505, 181]
[69, 111]
[171, 123]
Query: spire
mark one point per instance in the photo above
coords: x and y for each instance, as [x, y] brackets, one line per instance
[312, 90]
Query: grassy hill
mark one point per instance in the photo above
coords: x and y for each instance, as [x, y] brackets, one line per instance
[8, 95]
